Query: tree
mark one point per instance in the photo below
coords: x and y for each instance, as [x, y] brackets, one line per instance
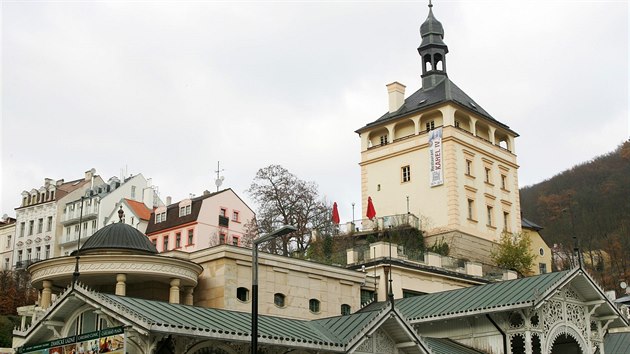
[284, 199]
[514, 252]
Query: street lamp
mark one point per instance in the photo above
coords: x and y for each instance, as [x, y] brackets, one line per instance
[286, 229]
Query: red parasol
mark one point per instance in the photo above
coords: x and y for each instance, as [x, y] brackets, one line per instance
[335, 214]
[371, 212]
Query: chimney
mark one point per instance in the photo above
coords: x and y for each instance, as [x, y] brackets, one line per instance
[396, 92]
[168, 200]
[206, 192]
[89, 173]
[59, 182]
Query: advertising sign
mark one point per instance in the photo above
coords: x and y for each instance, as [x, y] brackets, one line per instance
[110, 340]
[436, 173]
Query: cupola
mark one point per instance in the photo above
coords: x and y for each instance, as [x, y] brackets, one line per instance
[432, 51]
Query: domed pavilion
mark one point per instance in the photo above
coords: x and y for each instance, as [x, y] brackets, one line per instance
[118, 259]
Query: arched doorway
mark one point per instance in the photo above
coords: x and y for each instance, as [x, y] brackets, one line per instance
[565, 344]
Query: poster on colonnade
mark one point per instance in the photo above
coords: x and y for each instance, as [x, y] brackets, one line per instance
[110, 340]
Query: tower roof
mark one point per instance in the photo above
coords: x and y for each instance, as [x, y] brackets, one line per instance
[119, 236]
[444, 91]
[431, 30]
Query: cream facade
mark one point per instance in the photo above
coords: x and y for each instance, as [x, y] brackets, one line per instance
[439, 155]
[289, 287]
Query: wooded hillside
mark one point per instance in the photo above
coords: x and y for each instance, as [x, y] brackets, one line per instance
[592, 202]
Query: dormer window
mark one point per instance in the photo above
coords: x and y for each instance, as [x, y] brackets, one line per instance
[159, 217]
[184, 210]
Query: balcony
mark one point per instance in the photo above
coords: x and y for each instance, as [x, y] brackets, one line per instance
[381, 251]
[73, 217]
[380, 223]
[25, 264]
[224, 221]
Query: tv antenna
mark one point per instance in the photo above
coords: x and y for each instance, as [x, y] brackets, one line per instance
[219, 181]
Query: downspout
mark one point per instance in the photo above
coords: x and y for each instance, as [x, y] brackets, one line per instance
[505, 351]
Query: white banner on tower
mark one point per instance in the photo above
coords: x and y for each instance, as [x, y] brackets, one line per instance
[436, 175]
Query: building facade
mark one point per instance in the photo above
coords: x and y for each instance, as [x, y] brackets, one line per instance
[86, 213]
[439, 155]
[201, 222]
[7, 240]
[37, 219]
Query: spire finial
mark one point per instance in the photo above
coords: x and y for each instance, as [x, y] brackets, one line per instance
[430, 4]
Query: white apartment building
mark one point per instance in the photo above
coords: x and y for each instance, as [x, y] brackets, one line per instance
[36, 219]
[7, 240]
[100, 202]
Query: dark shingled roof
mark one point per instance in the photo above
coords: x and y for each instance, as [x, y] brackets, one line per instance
[172, 214]
[119, 236]
[530, 225]
[445, 91]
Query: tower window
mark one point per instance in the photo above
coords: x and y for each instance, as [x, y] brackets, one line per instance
[430, 125]
[506, 221]
[489, 222]
[406, 173]
[384, 139]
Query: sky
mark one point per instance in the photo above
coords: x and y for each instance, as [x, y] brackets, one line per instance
[168, 89]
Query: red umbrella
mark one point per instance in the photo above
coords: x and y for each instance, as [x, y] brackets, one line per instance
[335, 214]
[371, 212]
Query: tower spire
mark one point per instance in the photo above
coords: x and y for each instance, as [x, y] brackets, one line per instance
[432, 51]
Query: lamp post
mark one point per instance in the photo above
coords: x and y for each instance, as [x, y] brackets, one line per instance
[286, 229]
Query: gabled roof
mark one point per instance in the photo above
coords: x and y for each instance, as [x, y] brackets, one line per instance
[447, 346]
[506, 295]
[336, 334]
[445, 91]
[139, 209]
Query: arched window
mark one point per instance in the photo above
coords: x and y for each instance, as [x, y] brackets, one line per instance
[242, 294]
[345, 309]
[313, 305]
[279, 299]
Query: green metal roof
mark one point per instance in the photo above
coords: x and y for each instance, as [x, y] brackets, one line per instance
[525, 291]
[334, 332]
[618, 343]
[447, 346]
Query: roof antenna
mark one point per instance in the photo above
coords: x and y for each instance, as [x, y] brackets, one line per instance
[219, 181]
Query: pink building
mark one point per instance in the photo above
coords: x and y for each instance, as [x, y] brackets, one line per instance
[200, 222]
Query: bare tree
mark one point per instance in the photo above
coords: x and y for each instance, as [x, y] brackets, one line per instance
[284, 199]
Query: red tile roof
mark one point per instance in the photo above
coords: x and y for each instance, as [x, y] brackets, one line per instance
[139, 209]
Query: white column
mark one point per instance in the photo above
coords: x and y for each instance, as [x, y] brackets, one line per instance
[46, 294]
[188, 295]
[173, 297]
[121, 288]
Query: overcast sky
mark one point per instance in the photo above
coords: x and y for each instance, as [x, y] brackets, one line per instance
[169, 88]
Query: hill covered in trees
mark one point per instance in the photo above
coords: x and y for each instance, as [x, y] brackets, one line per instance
[590, 201]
